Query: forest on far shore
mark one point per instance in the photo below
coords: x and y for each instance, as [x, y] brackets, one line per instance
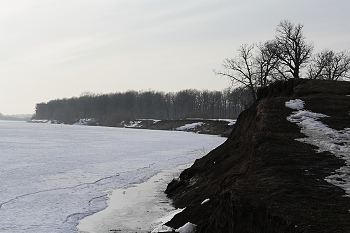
[111, 109]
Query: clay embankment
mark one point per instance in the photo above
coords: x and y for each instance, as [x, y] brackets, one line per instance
[262, 179]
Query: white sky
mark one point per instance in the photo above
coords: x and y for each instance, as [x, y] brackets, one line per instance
[53, 49]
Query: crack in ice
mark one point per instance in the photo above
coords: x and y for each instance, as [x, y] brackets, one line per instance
[70, 187]
[55, 189]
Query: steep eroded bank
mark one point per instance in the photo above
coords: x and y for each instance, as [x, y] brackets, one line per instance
[263, 180]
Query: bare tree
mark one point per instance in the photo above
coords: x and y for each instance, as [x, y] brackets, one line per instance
[318, 63]
[266, 64]
[241, 69]
[330, 65]
[292, 49]
[253, 67]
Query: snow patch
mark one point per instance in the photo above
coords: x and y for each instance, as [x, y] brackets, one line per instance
[137, 123]
[230, 121]
[205, 201]
[161, 221]
[187, 228]
[162, 228]
[85, 121]
[132, 124]
[296, 104]
[326, 139]
[189, 126]
[305, 115]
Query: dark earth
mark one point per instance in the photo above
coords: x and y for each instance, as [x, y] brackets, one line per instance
[213, 127]
[263, 180]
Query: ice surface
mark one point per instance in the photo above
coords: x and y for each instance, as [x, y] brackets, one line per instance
[53, 175]
[326, 139]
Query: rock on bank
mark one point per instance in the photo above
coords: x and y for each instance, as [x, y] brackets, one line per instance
[262, 179]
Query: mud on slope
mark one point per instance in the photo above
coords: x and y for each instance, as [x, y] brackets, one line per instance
[261, 179]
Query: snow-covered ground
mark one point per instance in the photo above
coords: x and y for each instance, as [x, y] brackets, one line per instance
[325, 138]
[53, 175]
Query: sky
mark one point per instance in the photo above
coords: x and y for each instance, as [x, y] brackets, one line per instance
[53, 49]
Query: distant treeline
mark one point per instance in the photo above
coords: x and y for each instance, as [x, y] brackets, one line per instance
[111, 109]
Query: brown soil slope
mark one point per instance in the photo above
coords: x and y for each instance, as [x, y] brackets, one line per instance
[261, 179]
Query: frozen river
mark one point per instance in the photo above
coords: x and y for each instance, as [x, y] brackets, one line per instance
[54, 175]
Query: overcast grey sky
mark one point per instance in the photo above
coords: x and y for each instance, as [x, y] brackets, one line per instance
[53, 49]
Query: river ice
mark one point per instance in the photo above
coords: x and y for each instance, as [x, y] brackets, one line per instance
[54, 175]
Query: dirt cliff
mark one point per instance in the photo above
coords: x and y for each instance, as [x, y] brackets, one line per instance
[262, 179]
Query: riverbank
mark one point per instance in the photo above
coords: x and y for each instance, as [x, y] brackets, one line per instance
[221, 127]
[283, 169]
